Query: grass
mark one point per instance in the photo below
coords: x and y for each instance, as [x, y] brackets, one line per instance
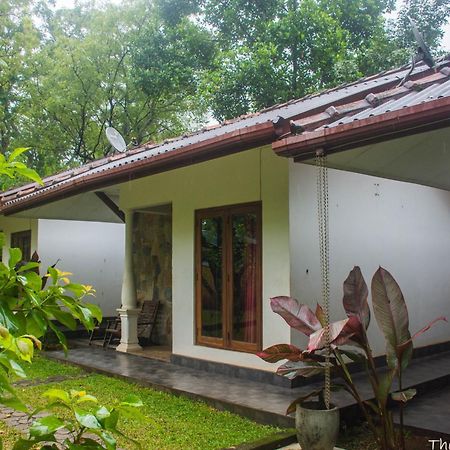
[42, 368]
[170, 422]
[8, 436]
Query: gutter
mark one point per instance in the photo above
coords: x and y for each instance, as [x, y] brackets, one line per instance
[229, 143]
[394, 124]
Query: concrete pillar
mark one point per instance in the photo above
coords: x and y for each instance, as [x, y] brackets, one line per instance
[129, 310]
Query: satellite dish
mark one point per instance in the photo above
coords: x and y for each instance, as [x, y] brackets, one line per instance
[423, 51]
[116, 139]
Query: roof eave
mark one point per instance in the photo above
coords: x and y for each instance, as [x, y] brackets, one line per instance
[409, 120]
[238, 140]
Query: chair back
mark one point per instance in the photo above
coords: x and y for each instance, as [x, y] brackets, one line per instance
[147, 317]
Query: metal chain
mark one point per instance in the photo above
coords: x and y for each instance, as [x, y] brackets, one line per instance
[324, 245]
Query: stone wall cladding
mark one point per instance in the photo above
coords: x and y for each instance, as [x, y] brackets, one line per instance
[152, 257]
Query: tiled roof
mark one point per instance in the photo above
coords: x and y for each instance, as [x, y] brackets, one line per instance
[411, 93]
[371, 95]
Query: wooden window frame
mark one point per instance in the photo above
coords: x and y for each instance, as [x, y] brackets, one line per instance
[226, 342]
[25, 234]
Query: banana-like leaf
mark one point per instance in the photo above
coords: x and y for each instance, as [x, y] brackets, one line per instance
[404, 396]
[297, 315]
[384, 387]
[305, 369]
[340, 333]
[293, 406]
[391, 314]
[279, 352]
[355, 297]
[320, 314]
[405, 345]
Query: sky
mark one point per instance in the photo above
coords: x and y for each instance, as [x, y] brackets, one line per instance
[445, 40]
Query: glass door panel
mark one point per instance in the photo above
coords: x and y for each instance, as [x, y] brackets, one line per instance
[244, 277]
[211, 235]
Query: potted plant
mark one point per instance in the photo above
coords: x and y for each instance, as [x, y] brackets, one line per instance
[391, 315]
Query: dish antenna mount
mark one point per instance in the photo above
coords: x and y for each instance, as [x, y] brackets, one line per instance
[423, 52]
[116, 139]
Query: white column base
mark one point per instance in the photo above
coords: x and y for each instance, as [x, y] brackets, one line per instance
[129, 340]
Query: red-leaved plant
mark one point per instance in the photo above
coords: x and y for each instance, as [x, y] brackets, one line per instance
[391, 315]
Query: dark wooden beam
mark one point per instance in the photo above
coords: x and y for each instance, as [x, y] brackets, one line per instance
[111, 205]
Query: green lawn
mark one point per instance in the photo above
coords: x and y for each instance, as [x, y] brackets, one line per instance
[43, 368]
[171, 422]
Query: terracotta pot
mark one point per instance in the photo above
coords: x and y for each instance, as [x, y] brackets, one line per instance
[317, 428]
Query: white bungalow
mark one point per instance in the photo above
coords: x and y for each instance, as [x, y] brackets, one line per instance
[219, 221]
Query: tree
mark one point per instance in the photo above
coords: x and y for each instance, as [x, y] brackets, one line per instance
[18, 39]
[273, 51]
[89, 73]
[286, 48]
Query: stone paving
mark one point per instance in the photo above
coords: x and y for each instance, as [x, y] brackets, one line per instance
[22, 422]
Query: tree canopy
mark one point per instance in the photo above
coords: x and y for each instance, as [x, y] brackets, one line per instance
[158, 68]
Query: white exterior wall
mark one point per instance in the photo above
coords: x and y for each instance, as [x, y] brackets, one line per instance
[9, 225]
[92, 251]
[245, 177]
[403, 227]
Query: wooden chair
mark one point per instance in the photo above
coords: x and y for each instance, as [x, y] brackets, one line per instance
[146, 323]
[98, 332]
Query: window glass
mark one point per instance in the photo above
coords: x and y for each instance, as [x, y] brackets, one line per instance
[245, 241]
[22, 240]
[211, 276]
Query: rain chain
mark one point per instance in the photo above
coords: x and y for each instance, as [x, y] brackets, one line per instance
[324, 244]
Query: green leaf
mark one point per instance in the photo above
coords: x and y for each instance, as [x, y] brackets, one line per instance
[10, 320]
[53, 274]
[132, 400]
[34, 281]
[13, 402]
[45, 426]
[33, 296]
[110, 422]
[57, 394]
[95, 311]
[108, 439]
[63, 317]
[31, 174]
[26, 348]
[102, 413]
[17, 152]
[36, 323]
[28, 266]
[61, 338]
[87, 398]
[78, 289]
[17, 369]
[24, 444]
[87, 419]
[15, 256]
